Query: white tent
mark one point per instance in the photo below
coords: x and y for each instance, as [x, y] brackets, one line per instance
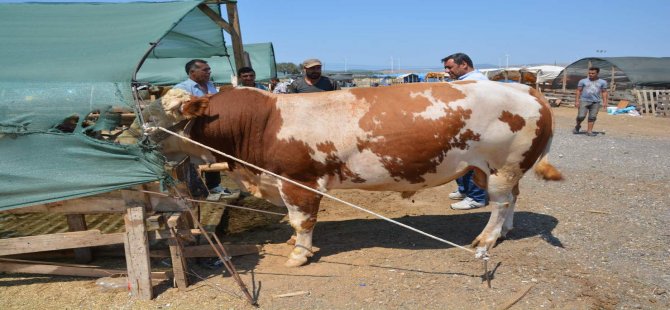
[538, 74]
[545, 73]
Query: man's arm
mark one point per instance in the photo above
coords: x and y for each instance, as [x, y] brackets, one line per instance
[605, 96]
[579, 94]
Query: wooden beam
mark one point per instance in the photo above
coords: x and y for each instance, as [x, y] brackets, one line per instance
[35, 267]
[137, 246]
[232, 27]
[103, 203]
[57, 241]
[77, 222]
[214, 167]
[207, 251]
[216, 18]
[177, 253]
[236, 36]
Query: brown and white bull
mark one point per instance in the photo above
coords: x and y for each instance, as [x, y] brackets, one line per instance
[401, 138]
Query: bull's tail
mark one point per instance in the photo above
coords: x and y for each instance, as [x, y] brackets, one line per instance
[544, 169]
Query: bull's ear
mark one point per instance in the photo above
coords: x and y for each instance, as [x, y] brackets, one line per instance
[195, 107]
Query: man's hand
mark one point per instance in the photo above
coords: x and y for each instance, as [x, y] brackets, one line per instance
[577, 104]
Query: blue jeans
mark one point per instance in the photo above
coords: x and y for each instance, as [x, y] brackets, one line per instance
[467, 186]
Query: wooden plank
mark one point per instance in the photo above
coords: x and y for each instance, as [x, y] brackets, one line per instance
[77, 222]
[35, 267]
[137, 245]
[59, 241]
[236, 35]
[155, 222]
[179, 266]
[207, 251]
[165, 234]
[87, 205]
[57, 270]
[214, 167]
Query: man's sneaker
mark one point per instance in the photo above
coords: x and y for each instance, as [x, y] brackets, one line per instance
[220, 190]
[576, 130]
[467, 204]
[456, 195]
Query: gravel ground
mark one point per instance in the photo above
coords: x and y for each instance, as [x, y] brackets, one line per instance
[599, 240]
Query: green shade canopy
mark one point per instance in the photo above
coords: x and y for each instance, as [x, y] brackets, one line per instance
[629, 72]
[63, 59]
[169, 71]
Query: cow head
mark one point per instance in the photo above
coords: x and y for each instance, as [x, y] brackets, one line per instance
[180, 105]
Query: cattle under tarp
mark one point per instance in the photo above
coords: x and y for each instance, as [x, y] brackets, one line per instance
[61, 60]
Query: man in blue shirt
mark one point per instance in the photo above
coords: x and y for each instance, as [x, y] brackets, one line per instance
[199, 84]
[459, 67]
[591, 94]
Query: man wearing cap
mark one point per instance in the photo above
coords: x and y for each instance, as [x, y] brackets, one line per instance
[312, 80]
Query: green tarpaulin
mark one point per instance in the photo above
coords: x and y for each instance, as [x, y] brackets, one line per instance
[63, 59]
[629, 72]
[171, 70]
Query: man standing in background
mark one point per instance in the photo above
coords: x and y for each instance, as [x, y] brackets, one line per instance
[312, 80]
[591, 94]
[247, 77]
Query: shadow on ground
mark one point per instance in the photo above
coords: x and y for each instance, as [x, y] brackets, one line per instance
[334, 237]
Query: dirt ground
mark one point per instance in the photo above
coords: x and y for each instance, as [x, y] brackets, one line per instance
[598, 240]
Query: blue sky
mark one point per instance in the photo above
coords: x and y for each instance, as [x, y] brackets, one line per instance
[369, 34]
[420, 33]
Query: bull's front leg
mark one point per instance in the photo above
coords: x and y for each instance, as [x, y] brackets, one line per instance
[303, 207]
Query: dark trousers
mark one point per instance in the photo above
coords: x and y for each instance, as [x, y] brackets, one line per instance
[212, 179]
[467, 186]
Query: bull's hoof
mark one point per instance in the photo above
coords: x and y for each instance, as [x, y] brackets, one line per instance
[296, 261]
[482, 242]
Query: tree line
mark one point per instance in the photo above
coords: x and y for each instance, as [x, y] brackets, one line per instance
[288, 68]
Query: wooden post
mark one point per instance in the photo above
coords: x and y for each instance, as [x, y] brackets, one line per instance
[77, 222]
[236, 34]
[232, 26]
[177, 253]
[565, 78]
[137, 246]
[612, 82]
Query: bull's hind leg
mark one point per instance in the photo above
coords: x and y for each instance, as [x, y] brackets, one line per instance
[508, 225]
[502, 187]
[303, 207]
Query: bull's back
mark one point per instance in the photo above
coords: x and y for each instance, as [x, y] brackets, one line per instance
[415, 135]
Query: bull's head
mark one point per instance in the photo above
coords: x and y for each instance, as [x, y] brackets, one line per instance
[179, 104]
[195, 107]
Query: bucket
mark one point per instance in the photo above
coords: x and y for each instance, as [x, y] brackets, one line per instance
[610, 110]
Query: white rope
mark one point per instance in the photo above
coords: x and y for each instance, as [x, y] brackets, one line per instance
[317, 192]
[214, 202]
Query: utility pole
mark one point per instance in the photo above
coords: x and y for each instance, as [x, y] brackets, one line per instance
[506, 61]
[391, 64]
[345, 64]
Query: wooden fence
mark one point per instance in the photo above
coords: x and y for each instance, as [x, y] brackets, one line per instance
[653, 101]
